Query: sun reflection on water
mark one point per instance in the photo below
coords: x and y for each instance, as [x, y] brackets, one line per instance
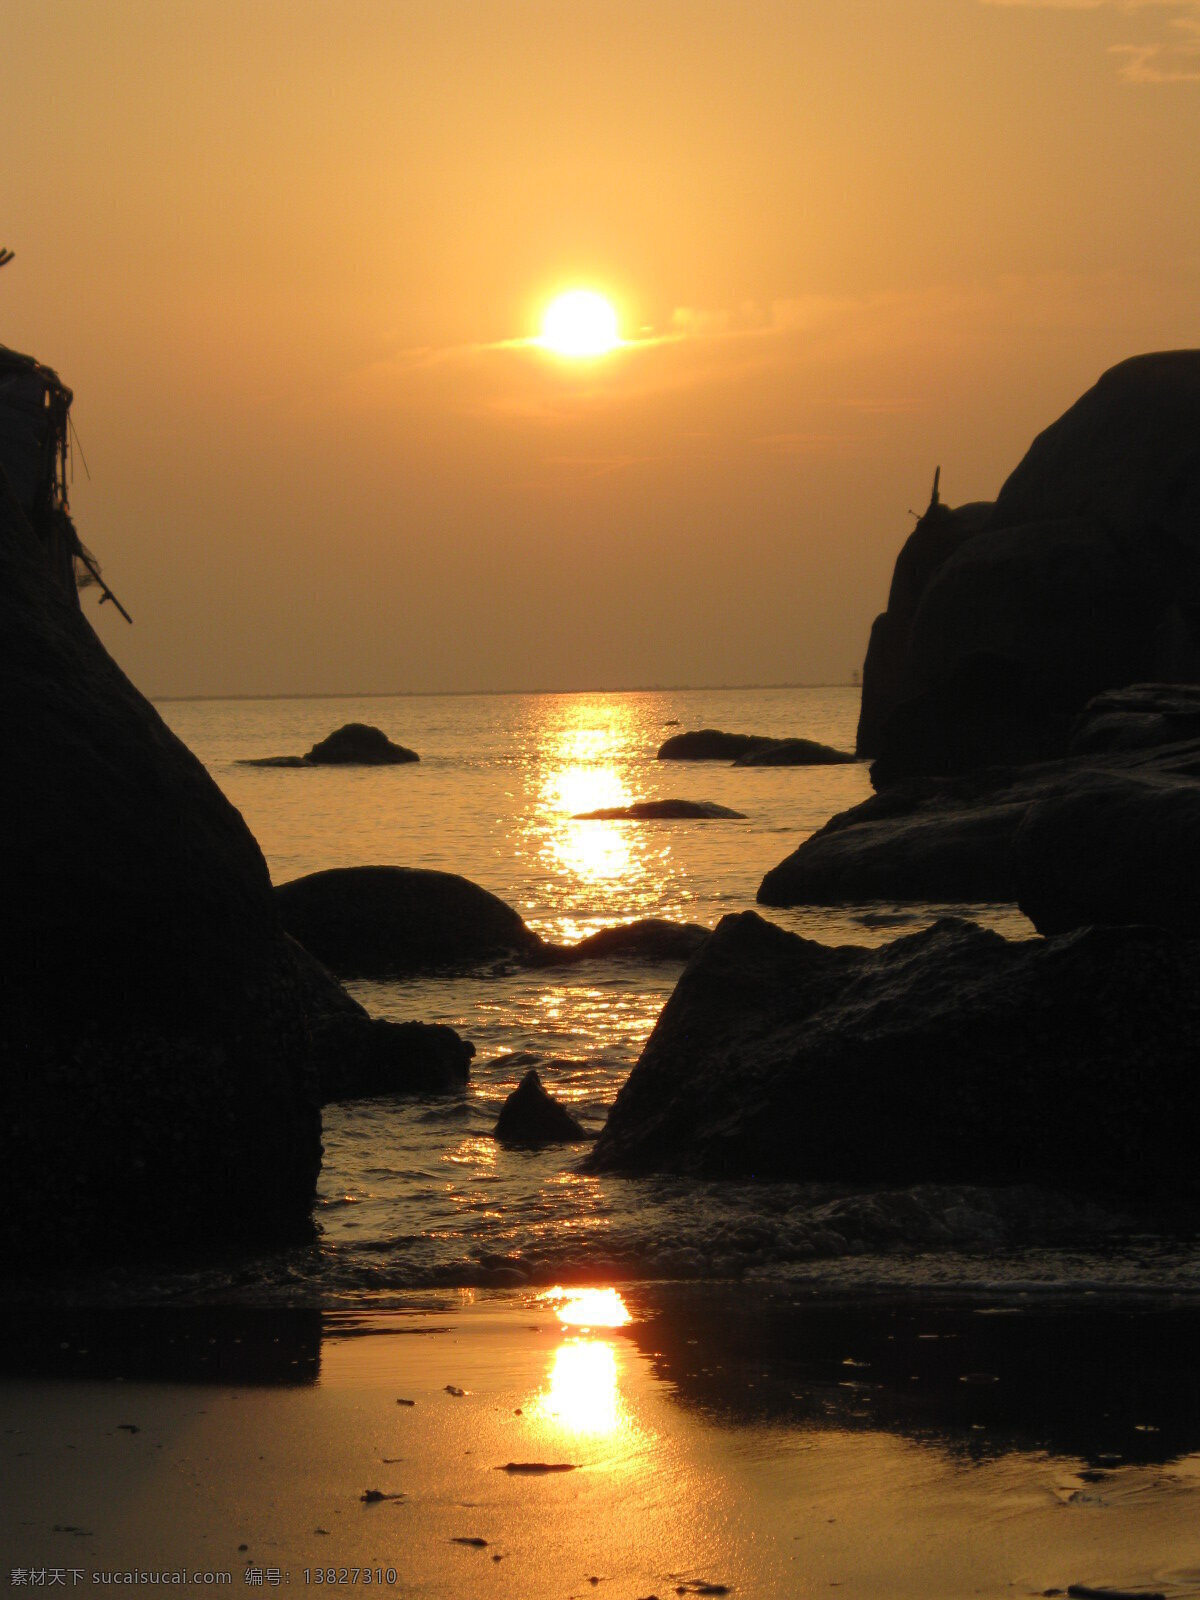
[588, 1308]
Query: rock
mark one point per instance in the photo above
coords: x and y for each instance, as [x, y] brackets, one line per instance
[1116, 847]
[359, 744]
[660, 810]
[936, 537]
[948, 1055]
[356, 744]
[1083, 577]
[357, 1055]
[794, 753]
[530, 1116]
[708, 744]
[955, 839]
[650, 939]
[157, 1092]
[385, 921]
[1137, 718]
[749, 749]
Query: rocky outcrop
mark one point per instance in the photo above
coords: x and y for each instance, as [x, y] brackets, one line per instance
[1083, 577]
[378, 922]
[662, 811]
[950, 1055]
[530, 1116]
[157, 1092]
[356, 1055]
[385, 921]
[1141, 717]
[749, 749]
[356, 744]
[975, 836]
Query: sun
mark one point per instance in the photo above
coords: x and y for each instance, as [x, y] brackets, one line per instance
[580, 323]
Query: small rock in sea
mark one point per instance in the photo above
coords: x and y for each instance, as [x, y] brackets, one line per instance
[530, 1116]
[324, 1532]
[532, 1468]
[242, 1548]
[452, 1388]
[406, 1402]
[462, 1538]
[497, 1558]
[129, 1427]
[69, 1527]
[372, 1497]
[1082, 1591]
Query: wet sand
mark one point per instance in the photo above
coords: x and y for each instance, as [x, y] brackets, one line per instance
[787, 1461]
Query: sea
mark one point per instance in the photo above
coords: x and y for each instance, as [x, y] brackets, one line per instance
[415, 1194]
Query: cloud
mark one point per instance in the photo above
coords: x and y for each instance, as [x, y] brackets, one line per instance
[1170, 55]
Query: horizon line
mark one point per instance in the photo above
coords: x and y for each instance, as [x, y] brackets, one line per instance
[430, 694]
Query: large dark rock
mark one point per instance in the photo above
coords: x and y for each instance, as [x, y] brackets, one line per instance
[356, 744]
[662, 811]
[1084, 576]
[950, 1055]
[1116, 847]
[356, 1055]
[366, 922]
[956, 839]
[1141, 717]
[157, 1090]
[530, 1116]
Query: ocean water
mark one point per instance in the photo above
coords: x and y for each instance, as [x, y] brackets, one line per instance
[416, 1194]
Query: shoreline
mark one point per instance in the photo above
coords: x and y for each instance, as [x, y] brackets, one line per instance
[771, 1446]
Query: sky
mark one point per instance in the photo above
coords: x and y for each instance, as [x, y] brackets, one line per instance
[293, 256]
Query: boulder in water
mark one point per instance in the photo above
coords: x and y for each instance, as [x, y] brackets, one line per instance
[356, 744]
[662, 811]
[368, 922]
[530, 1116]
[950, 1055]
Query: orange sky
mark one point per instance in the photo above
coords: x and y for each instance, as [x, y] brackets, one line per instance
[277, 250]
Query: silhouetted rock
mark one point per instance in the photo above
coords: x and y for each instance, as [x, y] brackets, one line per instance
[356, 744]
[1114, 847]
[709, 744]
[660, 811]
[1084, 576]
[1137, 718]
[955, 838]
[531, 1116]
[383, 921]
[651, 939]
[359, 744]
[357, 1055]
[794, 753]
[885, 680]
[948, 1055]
[157, 1091]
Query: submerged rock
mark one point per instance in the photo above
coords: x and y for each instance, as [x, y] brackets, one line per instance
[356, 744]
[949, 1055]
[530, 1116]
[384, 921]
[158, 1090]
[660, 810]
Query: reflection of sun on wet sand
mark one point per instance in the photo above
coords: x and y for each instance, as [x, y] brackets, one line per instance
[432, 1455]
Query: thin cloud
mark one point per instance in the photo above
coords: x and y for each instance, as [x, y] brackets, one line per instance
[1172, 56]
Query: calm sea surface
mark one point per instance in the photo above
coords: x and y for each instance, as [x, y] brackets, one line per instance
[416, 1193]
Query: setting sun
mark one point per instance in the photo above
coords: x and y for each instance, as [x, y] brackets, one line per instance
[580, 323]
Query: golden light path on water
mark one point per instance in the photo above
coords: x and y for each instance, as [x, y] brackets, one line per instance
[582, 770]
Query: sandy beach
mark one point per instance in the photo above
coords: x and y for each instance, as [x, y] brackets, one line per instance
[687, 1461]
